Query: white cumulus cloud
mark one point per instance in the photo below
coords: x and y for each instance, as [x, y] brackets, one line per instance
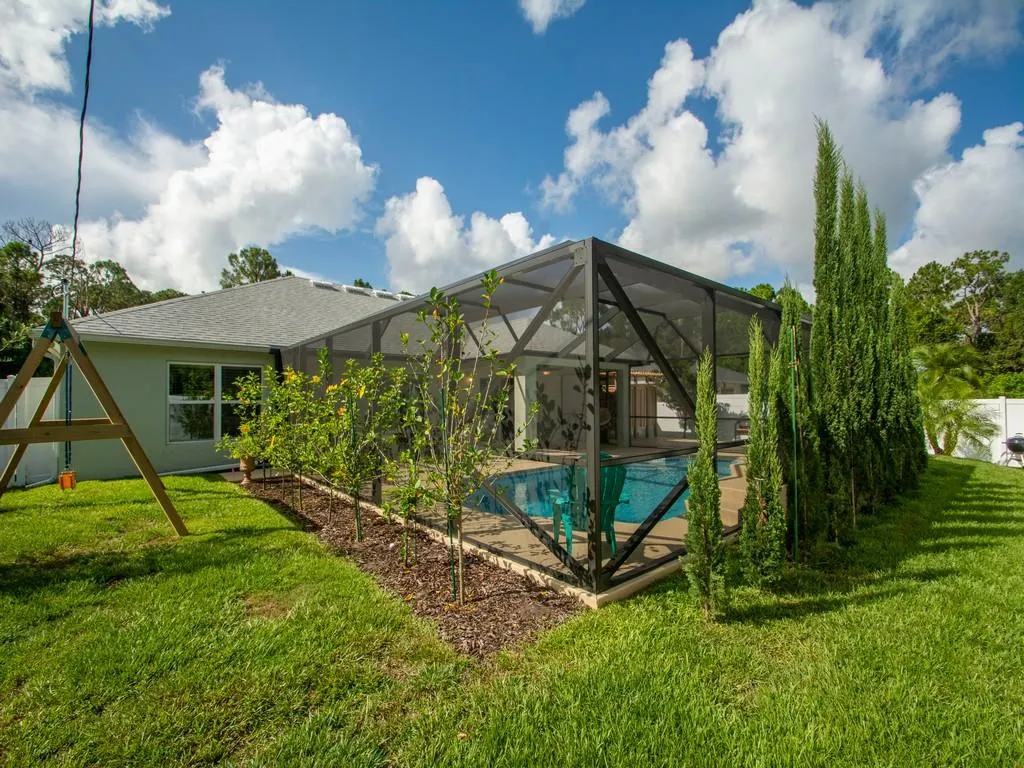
[540, 13]
[928, 34]
[767, 98]
[607, 158]
[39, 138]
[974, 203]
[269, 171]
[427, 245]
[722, 207]
[35, 32]
[168, 210]
[39, 153]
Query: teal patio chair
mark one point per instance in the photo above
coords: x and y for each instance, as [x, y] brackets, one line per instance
[569, 507]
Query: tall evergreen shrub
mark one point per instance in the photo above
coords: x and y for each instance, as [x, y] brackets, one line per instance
[905, 412]
[705, 548]
[801, 458]
[888, 451]
[865, 417]
[827, 354]
[757, 381]
[762, 539]
[826, 256]
[862, 335]
[774, 522]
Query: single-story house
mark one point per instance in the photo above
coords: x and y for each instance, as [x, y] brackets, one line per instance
[171, 365]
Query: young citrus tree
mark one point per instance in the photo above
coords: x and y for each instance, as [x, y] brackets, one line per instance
[459, 405]
[287, 409]
[409, 490]
[362, 418]
[317, 428]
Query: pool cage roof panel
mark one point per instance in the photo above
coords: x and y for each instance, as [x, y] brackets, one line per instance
[551, 284]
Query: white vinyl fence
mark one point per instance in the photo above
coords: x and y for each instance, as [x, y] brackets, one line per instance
[733, 418]
[1008, 415]
[40, 462]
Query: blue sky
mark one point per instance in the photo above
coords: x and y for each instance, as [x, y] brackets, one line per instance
[471, 96]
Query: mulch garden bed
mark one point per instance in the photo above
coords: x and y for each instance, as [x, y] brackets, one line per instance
[502, 608]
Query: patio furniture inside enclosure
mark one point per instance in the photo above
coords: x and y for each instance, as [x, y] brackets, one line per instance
[606, 342]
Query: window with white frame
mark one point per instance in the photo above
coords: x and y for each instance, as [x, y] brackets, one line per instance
[201, 400]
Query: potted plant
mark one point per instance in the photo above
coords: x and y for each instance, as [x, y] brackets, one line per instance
[249, 444]
[245, 447]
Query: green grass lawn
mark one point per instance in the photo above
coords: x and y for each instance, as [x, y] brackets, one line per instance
[248, 643]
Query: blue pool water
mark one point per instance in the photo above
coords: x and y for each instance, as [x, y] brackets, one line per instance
[647, 483]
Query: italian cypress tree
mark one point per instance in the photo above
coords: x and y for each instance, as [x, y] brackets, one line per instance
[883, 379]
[863, 336]
[899, 406]
[800, 446]
[753, 508]
[763, 538]
[826, 254]
[705, 548]
[774, 525]
[905, 408]
[824, 336]
[845, 302]
[864, 421]
[837, 405]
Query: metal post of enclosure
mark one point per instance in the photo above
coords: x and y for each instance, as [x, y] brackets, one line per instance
[592, 438]
[376, 331]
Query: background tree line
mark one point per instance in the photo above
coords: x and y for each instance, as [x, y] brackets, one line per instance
[972, 311]
[968, 313]
[35, 261]
[965, 327]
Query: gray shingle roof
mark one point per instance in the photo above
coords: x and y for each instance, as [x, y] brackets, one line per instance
[274, 313]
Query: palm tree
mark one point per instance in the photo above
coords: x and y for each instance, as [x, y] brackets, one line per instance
[951, 416]
[948, 362]
[946, 383]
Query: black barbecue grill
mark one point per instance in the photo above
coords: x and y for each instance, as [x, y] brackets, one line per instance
[1014, 450]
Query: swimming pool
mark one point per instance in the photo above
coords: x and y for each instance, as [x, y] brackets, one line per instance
[647, 483]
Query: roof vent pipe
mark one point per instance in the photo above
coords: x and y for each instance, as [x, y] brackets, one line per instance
[356, 289]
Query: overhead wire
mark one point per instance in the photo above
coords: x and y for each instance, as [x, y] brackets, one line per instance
[81, 131]
[74, 229]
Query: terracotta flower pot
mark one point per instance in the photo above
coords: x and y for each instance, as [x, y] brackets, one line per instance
[246, 466]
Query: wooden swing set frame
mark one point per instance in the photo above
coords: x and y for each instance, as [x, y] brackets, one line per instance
[112, 426]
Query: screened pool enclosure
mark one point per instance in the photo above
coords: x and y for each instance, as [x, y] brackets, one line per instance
[606, 343]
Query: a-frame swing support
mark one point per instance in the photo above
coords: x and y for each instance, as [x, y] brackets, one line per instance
[42, 431]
